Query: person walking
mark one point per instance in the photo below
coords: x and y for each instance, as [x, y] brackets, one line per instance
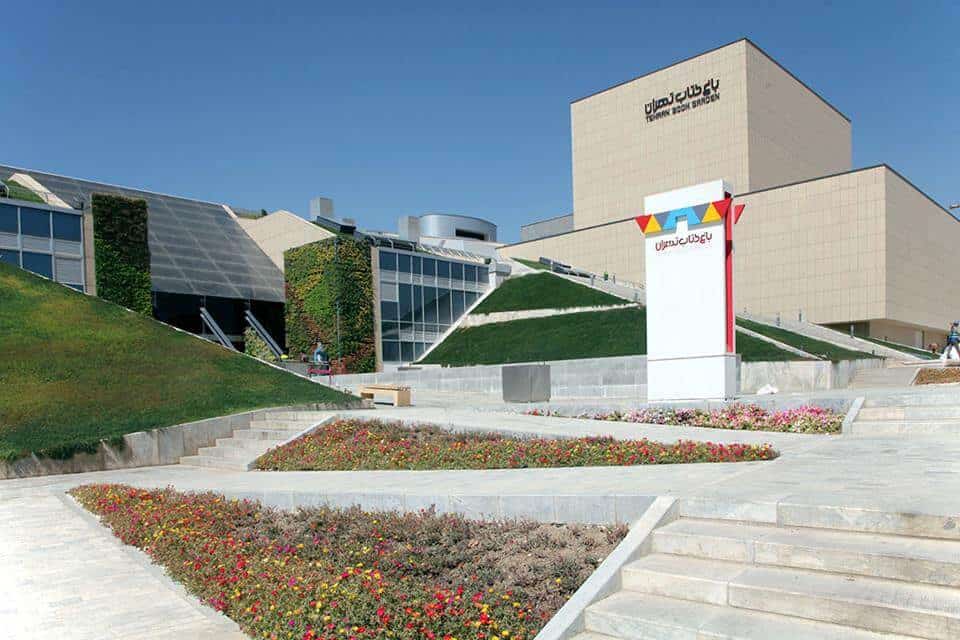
[953, 341]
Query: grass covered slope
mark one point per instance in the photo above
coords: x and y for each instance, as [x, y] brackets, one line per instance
[75, 370]
[544, 291]
[810, 345]
[910, 351]
[590, 334]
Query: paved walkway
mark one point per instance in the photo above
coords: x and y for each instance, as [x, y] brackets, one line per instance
[62, 575]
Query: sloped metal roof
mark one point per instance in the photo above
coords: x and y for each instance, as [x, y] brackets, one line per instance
[196, 247]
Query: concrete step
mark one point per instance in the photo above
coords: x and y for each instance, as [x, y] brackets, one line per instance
[264, 434]
[864, 554]
[636, 616]
[916, 399]
[889, 377]
[942, 412]
[288, 425]
[874, 604]
[232, 453]
[299, 416]
[214, 463]
[895, 427]
[248, 444]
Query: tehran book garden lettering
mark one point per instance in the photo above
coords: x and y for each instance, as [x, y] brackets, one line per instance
[696, 95]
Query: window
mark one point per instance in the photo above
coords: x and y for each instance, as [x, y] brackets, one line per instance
[466, 233]
[391, 352]
[403, 263]
[34, 222]
[388, 261]
[8, 218]
[390, 330]
[389, 310]
[470, 273]
[418, 349]
[406, 303]
[429, 304]
[415, 267]
[429, 267]
[406, 351]
[66, 226]
[69, 270]
[10, 257]
[471, 297]
[443, 269]
[443, 306]
[417, 303]
[40, 263]
[457, 305]
[456, 271]
[483, 275]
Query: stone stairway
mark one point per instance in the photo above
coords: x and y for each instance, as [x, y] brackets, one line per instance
[883, 377]
[751, 581]
[239, 451]
[918, 414]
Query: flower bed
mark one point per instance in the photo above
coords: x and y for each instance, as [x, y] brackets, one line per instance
[352, 444]
[744, 417]
[938, 376]
[350, 574]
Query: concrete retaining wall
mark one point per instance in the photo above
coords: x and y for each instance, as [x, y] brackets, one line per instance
[146, 448]
[620, 377]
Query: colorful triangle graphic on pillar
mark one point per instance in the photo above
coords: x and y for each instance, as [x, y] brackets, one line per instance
[695, 215]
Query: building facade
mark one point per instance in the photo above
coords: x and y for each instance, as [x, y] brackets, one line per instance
[44, 239]
[818, 239]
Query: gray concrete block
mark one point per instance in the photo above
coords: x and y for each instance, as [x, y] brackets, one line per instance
[170, 445]
[526, 383]
[537, 508]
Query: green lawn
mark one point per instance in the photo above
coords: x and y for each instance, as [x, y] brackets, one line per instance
[18, 192]
[533, 264]
[75, 370]
[913, 351]
[544, 291]
[591, 334]
[804, 343]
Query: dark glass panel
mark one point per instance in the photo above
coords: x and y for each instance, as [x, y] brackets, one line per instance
[388, 261]
[34, 222]
[66, 226]
[39, 263]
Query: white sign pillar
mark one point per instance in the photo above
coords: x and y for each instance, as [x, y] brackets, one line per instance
[691, 350]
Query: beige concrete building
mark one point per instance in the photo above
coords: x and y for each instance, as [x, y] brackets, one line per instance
[282, 230]
[818, 239]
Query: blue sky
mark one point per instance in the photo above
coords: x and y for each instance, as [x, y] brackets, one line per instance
[455, 107]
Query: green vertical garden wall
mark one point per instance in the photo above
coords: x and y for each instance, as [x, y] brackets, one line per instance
[329, 289]
[121, 251]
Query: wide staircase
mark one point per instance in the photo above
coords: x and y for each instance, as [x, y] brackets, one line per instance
[929, 413]
[883, 377]
[238, 452]
[742, 580]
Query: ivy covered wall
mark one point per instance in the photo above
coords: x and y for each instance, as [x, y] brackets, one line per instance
[329, 289]
[121, 252]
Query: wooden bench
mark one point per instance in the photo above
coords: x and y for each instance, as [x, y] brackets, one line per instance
[400, 396]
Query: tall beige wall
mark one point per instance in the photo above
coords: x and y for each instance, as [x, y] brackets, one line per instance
[923, 257]
[816, 247]
[793, 134]
[619, 157]
[766, 129]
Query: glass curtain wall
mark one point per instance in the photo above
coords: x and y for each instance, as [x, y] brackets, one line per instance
[48, 243]
[421, 295]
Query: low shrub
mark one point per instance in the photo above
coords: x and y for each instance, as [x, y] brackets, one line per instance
[353, 444]
[352, 575]
[742, 417]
